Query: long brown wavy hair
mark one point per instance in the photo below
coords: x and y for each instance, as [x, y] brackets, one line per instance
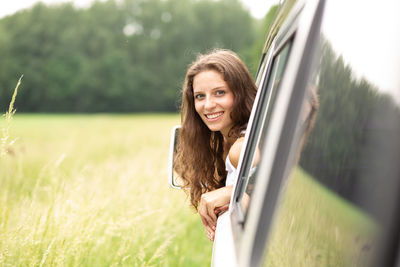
[199, 161]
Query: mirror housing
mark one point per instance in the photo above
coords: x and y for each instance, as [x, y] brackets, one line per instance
[172, 152]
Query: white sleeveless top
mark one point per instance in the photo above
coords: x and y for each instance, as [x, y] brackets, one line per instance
[232, 172]
[231, 177]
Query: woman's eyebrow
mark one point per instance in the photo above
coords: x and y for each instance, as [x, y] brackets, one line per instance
[219, 87]
[213, 89]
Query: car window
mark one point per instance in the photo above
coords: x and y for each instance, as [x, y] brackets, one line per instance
[259, 129]
[327, 194]
[328, 213]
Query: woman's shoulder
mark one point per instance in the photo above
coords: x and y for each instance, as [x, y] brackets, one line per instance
[234, 151]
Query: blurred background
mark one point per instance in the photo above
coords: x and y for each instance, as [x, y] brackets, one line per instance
[80, 186]
[117, 55]
[83, 163]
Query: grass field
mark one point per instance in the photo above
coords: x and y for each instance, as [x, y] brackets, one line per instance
[91, 190]
[316, 227]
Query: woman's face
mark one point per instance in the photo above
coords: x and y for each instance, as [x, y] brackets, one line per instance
[213, 101]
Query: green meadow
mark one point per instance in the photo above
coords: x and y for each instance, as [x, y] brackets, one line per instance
[91, 190]
[316, 227]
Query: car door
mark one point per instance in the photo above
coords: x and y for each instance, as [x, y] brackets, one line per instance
[286, 65]
[319, 180]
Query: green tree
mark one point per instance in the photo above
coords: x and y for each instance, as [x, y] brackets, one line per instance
[114, 56]
[345, 123]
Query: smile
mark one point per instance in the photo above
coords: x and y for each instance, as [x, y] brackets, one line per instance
[213, 116]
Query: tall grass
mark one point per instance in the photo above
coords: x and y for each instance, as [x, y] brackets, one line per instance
[5, 130]
[91, 190]
[315, 227]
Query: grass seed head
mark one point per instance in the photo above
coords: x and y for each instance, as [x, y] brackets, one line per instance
[5, 145]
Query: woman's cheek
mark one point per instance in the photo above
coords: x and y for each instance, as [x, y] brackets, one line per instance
[197, 107]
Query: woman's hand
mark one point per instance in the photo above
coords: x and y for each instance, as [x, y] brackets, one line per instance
[211, 205]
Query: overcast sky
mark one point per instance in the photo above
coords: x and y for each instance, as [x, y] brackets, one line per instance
[258, 8]
[362, 41]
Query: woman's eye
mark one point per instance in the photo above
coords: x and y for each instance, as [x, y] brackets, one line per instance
[220, 92]
[199, 96]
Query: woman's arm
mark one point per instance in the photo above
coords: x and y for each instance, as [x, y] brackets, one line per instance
[234, 151]
[217, 201]
[212, 203]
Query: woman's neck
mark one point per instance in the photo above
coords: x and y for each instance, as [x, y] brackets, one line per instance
[228, 142]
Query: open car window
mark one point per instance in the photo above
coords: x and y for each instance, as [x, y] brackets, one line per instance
[264, 164]
[259, 129]
[339, 206]
[319, 179]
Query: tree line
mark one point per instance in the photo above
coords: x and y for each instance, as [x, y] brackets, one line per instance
[131, 56]
[117, 56]
[353, 131]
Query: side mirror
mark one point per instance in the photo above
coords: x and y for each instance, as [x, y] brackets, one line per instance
[172, 177]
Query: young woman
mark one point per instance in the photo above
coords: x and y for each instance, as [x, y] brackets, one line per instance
[218, 94]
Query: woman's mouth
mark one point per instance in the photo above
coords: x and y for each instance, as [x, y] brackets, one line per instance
[213, 116]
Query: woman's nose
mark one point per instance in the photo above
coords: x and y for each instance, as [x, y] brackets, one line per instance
[210, 103]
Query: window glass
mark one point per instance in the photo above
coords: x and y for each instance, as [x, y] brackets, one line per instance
[332, 208]
[262, 117]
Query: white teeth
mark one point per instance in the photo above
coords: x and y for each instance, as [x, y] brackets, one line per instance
[213, 116]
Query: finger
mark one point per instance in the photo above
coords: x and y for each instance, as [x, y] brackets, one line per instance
[212, 215]
[210, 236]
[204, 221]
[209, 229]
[211, 222]
[209, 232]
[205, 213]
[221, 209]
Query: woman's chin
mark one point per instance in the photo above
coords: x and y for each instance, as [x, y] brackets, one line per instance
[214, 129]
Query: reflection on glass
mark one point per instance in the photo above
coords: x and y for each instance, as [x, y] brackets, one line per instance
[330, 210]
[264, 114]
[316, 227]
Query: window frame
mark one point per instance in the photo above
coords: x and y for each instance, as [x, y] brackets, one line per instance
[302, 26]
[262, 119]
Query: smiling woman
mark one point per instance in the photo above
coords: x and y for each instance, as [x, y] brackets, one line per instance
[218, 95]
[213, 101]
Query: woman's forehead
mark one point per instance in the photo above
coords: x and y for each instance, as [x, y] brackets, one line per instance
[208, 80]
